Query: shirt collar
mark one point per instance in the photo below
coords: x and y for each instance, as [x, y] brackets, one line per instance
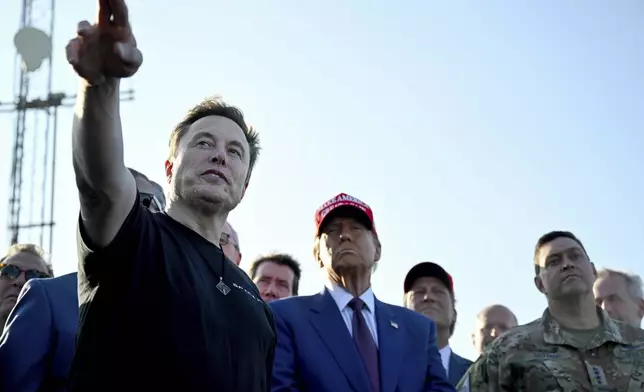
[553, 333]
[446, 353]
[342, 297]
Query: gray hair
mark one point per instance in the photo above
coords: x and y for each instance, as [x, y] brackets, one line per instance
[234, 236]
[33, 249]
[160, 194]
[633, 281]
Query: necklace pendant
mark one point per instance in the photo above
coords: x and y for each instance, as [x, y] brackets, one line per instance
[221, 286]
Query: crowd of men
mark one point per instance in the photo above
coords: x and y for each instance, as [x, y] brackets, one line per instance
[159, 302]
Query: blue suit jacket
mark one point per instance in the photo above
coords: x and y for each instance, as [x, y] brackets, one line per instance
[38, 341]
[315, 351]
[458, 366]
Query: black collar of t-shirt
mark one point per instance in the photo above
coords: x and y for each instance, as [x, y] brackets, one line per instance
[221, 285]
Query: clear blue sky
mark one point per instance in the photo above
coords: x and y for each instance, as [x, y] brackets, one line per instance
[471, 129]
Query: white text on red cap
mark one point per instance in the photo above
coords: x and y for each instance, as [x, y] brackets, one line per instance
[350, 200]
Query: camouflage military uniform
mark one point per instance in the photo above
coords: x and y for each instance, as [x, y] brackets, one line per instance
[542, 356]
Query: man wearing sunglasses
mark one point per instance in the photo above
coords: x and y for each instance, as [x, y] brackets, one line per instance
[229, 243]
[150, 193]
[46, 316]
[21, 263]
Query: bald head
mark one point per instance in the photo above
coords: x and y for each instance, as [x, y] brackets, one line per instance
[491, 322]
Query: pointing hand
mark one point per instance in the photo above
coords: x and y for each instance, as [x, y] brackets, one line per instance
[106, 49]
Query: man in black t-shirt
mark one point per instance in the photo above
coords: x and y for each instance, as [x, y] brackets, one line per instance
[161, 307]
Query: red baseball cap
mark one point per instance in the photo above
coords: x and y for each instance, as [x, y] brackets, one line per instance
[428, 269]
[344, 205]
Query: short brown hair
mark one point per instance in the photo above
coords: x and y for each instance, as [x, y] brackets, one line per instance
[215, 106]
[549, 237]
[31, 249]
[279, 259]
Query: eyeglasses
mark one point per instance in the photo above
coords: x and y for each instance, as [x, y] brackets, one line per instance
[150, 201]
[11, 272]
[226, 239]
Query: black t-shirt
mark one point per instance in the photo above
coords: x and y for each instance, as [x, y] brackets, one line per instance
[152, 319]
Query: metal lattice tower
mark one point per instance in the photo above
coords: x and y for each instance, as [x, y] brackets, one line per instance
[33, 167]
[31, 193]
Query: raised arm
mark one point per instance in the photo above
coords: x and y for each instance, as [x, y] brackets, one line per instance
[101, 54]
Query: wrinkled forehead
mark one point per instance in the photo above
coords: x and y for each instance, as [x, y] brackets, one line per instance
[228, 229]
[609, 285]
[26, 261]
[559, 246]
[271, 269]
[497, 315]
[218, 128]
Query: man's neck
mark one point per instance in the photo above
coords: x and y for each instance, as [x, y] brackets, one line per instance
[575, 313]
[354, 283]
[442, 338]
[208, 226]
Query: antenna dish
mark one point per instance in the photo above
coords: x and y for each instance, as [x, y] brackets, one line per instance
[33, 46]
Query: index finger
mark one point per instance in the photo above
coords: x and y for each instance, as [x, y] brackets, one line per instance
[119, 13]
[104, 12]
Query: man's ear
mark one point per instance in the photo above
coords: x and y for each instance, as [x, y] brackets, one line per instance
[539, 283]
[406, 300]
[316, 251]
[168, 171]
[378, 248]
[640, 308]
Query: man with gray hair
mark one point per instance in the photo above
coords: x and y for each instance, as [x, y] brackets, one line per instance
[229, 242]
[151, 194]
[620, 295]
[21, 263]
[46, 315]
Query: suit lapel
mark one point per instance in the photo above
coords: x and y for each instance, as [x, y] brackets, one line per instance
[391, 347]
[454, 369]
[327, 321]
[457, 367]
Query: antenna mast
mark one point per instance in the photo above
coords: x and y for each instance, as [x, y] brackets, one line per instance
[32, 190]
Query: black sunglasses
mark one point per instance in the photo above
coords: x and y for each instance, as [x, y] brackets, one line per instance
[11, 272]
[150, 201]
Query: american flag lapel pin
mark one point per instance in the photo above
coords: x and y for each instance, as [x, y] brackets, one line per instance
[394, 324]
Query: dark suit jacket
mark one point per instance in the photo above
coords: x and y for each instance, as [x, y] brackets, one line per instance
[457, 368]
[38, 341]
[315, 351]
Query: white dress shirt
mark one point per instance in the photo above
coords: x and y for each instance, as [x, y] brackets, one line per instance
[446, 354]
[342, 298]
